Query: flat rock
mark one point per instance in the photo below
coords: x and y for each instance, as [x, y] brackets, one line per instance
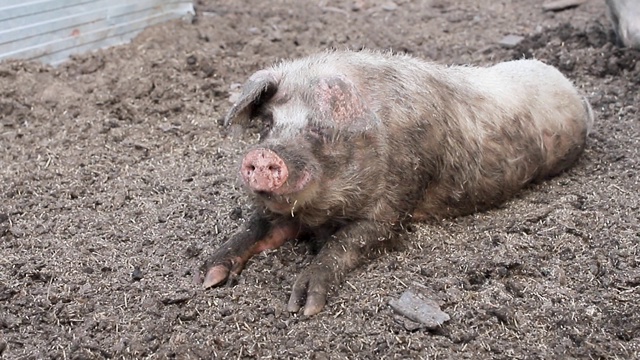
[390, 6]
[510, 40]
[420, 310]
[560, 5]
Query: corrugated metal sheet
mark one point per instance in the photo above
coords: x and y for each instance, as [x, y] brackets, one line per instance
[51, 30]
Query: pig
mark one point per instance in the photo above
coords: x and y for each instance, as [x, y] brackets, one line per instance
[625, 18]
[359, 144]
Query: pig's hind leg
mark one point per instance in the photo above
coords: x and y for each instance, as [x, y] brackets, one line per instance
[257, 235]
[342, 252]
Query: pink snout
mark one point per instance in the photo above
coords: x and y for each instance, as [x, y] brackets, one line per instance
[263, 170]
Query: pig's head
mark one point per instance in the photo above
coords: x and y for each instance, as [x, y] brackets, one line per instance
[318, 127]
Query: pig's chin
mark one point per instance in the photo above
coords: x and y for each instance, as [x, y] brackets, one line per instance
[280, 207]
[291, 203]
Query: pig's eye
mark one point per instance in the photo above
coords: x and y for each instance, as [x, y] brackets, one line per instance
[315, 131]
[319, 132]
[264, 122]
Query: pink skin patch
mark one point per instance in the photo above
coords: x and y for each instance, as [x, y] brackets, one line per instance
[338, 97]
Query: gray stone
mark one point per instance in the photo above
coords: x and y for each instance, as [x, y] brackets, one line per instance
[560, 5]
[510, 40]
[418, 309]
[390, 6]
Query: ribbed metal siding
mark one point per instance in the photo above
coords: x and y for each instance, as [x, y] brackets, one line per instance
[51, 30]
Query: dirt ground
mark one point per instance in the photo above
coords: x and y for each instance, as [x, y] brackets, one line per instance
[116, 183]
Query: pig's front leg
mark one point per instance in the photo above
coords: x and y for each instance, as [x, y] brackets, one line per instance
[343, 252]
[257, 235]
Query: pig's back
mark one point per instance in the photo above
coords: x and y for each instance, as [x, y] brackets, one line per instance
[543, 103]
[496, 130]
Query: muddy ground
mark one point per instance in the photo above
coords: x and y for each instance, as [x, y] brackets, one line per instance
[116, 183]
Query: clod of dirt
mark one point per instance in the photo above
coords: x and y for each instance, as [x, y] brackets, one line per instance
[515, 288]
[136, 275]
[417, 309]
[505, 315]
[236, 213]
[180, 296]
[192, 250]
[4, 224]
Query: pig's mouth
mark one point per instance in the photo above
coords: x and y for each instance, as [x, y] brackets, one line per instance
[289, 198]
[279, 206]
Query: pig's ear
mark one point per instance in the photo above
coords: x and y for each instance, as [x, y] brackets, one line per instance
[260, 87]
[340, 102]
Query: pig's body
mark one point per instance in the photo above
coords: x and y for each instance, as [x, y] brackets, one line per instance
[361, 142]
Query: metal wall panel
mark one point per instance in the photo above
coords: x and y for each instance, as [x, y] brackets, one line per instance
[51, 30]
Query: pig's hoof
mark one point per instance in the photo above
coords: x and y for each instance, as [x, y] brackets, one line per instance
[222, 269]
[311, 288]
[215, 276]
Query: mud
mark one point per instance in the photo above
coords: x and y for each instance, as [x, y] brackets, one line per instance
[116, 182]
